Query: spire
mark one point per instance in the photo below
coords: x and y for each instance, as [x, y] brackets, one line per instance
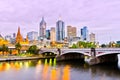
[18, 30]
[60, 18]
[19, 36]
[42, 21]
[43, 18]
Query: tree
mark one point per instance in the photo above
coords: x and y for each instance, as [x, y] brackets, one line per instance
[18, 47]
[83, 44]
[4, 48]
[74, 46]
[32, 49]
[103, 46]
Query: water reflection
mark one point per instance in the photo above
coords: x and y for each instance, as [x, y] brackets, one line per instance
[66, 73]
[48, 69]
[119, 61]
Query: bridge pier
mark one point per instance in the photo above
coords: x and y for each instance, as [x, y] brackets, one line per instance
[102, 59]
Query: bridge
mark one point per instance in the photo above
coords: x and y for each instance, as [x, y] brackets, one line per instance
[91, 56]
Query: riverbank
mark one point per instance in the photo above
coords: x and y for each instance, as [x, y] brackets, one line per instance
[19, 58]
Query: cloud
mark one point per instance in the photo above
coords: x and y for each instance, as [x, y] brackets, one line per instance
[99, 15]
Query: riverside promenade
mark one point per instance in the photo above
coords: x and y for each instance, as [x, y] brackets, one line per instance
[19, 58]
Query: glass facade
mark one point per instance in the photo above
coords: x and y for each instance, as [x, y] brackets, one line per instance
[32, 35]
[84, 33]
[60, 31]
[42, 32]
[48, 34]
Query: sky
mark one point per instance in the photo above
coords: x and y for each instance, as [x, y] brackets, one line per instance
[102, 17]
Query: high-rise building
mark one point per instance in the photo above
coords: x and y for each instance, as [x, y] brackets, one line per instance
[42, 32]
[84, 33]
[92, 37]
[48, 34]
[33, 35]
[52, 34]
[60, 31]
[71, 31]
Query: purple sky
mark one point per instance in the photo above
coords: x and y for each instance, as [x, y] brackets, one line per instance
[101, 16]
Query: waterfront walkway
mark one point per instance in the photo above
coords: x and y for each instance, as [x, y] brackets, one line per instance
[19, 58]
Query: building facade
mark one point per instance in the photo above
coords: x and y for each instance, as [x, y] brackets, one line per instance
[71, 31]
[52, 34]
[48, 34]
[42, 31]
[92, 37]
[33, 35]
[60, 31]
[84, 33]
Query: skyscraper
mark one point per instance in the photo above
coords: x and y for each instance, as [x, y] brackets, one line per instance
[71, 31]
[84, 33]
[92, 37]
[42, 32]
[60, 31]
[48, 34]
[52, 34]
[32, 35]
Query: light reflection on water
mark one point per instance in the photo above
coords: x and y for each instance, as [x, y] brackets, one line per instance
[48, 69]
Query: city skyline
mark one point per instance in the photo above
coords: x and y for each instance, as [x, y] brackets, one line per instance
[101, 17]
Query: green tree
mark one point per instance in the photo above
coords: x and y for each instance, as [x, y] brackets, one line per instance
[74, 46]
[83, 44]
[4, 48]
[18, 47]
[32, 49]
[118, 45]
[103, 46]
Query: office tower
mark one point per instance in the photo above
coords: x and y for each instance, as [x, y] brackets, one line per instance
[71, 31]
[92, 37]
[52, 34]
[42, 32]
[84, 33]
[60, 31]
[33, 35]
[48, 34]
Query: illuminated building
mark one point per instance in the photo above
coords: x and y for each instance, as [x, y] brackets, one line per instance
[19, 38]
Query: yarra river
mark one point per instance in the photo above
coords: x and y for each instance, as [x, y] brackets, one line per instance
[49, 69]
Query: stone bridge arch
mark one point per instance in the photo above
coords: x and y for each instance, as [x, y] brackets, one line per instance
[71, 55]
[107, 57]
[48, 52]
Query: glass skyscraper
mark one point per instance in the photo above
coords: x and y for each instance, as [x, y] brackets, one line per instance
[33, 35]
[60, 31]
[84, 33]
[42, 32]
[48, 34]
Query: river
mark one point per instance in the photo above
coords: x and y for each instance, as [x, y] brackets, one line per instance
[48, 69]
